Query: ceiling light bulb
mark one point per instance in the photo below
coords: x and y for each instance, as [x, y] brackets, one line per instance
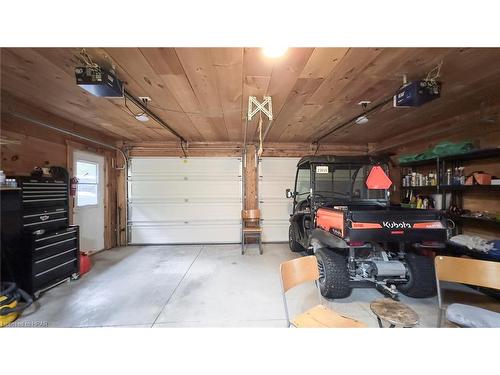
[361, 120]
[142, 117]
[274, 52]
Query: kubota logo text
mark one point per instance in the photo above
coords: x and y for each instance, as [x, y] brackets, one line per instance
[394, 225]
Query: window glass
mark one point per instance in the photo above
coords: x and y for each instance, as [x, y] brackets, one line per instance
[335, 182]
[303, 183]
[88, 177]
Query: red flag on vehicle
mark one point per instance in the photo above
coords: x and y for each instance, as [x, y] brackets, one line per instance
[377, 179]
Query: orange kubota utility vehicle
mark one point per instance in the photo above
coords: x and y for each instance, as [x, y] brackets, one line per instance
[342, 214]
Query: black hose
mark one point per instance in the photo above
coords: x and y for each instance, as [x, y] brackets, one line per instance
[12, 293]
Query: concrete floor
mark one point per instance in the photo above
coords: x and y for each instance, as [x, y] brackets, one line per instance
[191, 286]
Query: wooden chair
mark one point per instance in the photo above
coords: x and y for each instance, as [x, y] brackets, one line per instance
[467, 271]
[297, 271]
[250, 227]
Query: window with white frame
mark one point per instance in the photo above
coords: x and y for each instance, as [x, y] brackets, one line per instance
[87, 193]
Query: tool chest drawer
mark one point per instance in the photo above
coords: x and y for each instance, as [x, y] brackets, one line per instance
[53, 243]
[44, 192]
[44, 218]
[54, 275]
[55, 257]
[54, 260]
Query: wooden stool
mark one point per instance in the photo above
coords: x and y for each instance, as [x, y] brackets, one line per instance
[394, 312]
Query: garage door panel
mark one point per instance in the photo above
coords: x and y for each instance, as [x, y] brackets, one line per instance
[275, 176]
[178, 166]
[154, 189]
[180, 233]
[276, 210]
[174, 200]
[274, 189]
[191, 212]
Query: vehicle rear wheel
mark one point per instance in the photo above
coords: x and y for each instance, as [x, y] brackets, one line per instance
[333, 274]
[422, 278]
[292, 242]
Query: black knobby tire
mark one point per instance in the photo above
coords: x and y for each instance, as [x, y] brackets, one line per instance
[334, 275]
[422, 277]
[292, 242]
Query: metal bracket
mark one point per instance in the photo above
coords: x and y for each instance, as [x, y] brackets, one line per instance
[260, 107]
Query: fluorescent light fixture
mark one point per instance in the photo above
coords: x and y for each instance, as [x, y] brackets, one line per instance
[274, 52]
[361, 120]
[143, 117]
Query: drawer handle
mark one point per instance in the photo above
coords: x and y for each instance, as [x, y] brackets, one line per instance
[56, 267]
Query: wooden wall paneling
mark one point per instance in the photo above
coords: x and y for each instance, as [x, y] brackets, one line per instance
[20, 159]
[16, 105]
[166, 64]
[453, 128]
[200, 72]
[285, 72]
[256, 64]
[141, 80]
[42, 83]
[95, 108]
[301, 91]
[327, 94]
[473, 89]
[257, 71]
[188, 98]
[377, 81]
[322, 61]
[228, 64]
[298, 124]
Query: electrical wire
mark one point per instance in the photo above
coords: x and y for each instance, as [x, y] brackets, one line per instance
[183, 150]
[352, 120]
[132, 112]
[316, 151]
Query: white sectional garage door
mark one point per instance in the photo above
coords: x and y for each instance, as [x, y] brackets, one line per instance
[275, 176]
[194, 200]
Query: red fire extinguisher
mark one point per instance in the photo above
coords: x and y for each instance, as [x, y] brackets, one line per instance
[73, 186]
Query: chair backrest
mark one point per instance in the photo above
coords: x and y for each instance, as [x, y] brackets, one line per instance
[298, 271]
[252, 215]
[468, 271]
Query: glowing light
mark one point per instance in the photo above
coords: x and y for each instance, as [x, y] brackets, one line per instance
[274, 52]
[142, 117]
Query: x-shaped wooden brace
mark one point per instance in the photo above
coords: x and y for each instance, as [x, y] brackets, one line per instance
[252, 101]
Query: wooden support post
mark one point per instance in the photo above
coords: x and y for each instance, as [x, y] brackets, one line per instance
[121, 201]
[250, 175]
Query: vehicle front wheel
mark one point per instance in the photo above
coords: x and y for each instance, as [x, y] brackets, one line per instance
[333, 274]
[421, 275]
[292, 242]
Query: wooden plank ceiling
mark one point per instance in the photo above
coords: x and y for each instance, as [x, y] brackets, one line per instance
[202, 92]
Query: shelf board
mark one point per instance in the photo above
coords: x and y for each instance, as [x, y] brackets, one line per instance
[469, 187]
[424, 187]
[416, 163]
[473, 219]
[472, 155]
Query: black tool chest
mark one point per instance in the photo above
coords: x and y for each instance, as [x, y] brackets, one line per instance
[42, 249]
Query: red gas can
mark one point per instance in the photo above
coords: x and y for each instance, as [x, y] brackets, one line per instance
[85, 263]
